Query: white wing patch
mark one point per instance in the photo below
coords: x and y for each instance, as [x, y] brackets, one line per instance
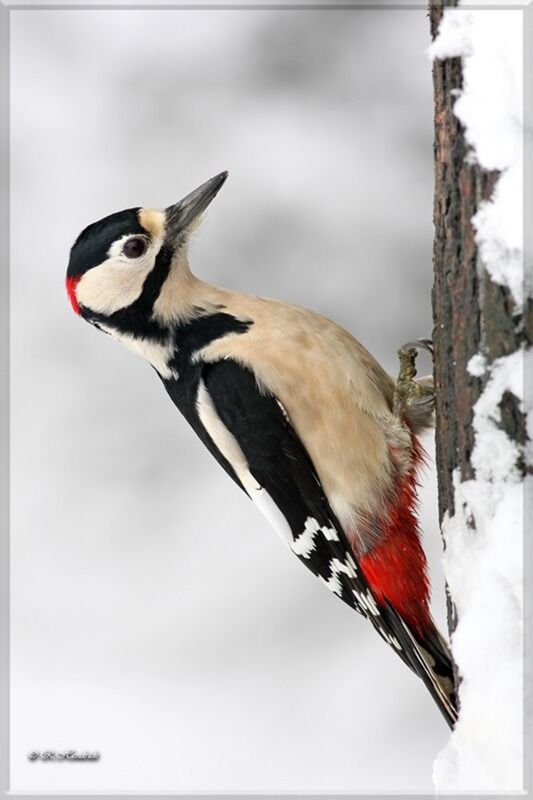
[270, 510]
[229, 447]
[223, 438]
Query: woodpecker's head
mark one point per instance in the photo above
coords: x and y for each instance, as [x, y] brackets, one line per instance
[118, 265]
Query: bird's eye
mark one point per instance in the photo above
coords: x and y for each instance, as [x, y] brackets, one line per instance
[135, 247]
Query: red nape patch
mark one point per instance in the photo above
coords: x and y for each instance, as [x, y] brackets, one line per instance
[71, 284]
[396, 569]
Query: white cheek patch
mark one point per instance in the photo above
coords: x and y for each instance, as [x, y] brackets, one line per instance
[118, 281]
[111, 286]
[229, 447]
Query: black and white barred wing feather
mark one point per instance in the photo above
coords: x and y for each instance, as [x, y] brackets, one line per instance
[253, 433]
[248, 431]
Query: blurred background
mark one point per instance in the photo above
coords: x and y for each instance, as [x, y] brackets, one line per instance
[155, 615]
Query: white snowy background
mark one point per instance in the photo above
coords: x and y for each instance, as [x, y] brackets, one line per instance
[484, 568]
[155, 616]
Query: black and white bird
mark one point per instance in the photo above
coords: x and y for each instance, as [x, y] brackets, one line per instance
[294, 409]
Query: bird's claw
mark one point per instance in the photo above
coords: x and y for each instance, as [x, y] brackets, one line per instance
[409, 394]
[419, 344]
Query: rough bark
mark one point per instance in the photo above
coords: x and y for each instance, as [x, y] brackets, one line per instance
[471, 313]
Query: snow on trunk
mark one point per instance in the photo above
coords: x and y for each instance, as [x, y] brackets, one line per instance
[483, 556]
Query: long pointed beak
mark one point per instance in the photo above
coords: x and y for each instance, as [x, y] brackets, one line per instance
[180, 215]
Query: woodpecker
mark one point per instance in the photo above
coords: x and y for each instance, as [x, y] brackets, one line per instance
[294, 408]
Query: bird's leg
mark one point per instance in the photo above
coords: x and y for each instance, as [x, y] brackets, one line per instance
[414, 399]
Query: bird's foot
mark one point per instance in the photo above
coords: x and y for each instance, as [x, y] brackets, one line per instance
[414, 399]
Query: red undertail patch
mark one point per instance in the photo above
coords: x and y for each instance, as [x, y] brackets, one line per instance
[396, 568]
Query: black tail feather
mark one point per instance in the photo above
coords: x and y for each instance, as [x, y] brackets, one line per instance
[429, 657]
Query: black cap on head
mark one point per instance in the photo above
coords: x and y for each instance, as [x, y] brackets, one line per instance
[92, 245]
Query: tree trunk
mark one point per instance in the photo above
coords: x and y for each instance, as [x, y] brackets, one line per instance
[471, 313]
